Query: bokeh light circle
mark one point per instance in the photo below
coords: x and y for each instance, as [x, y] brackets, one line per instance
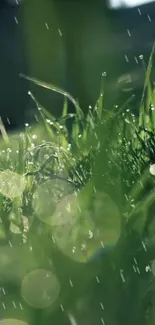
[96, 223]
[40, 288]
[12, 321]
[152, 169]
[66, 211]
[11, 184]
[15, 229]
[46, 199]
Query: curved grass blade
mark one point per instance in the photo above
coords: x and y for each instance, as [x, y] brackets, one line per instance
[53, 88]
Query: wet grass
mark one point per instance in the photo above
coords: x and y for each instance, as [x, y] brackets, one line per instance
[102, 171]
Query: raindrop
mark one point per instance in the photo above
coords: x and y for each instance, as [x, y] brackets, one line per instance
[128, 31]
[126, 58]
[102, 244]
[47, 26]
[94, 188]
[138, 270]
[16, 20]
[141, 57]
[5, 309]
[20, 305]
[53, 239]
[71, 283]
[14, 304]
[73, 249]
[83, 247]
[72, 319]
[101, 305]
[102, 321]
[122, 276]
[61, 306]
[139, 11]
[10, 244]
[90, 234]
[147, 268]
[3, 291]
[60, 33]
[97, 279]
[127, 121]
[34, 136]
[152, 107]
[144, 246]
[9, 150]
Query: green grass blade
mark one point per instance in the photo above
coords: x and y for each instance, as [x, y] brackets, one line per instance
[51, 87]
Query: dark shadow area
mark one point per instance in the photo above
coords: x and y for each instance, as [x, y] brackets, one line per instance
[70, 44]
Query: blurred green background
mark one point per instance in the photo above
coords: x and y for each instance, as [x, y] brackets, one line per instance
[67, 43]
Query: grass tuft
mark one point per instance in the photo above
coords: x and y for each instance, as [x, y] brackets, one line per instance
[94, 183]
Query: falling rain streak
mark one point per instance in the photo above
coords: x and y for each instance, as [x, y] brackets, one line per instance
[101, 305]
[16, 20]
[47, 27]
[71, 283]
[60, 33]
[126, 58]
[4, 307]
[144, 246]
[97, 279]
[62, 308]
[102, 321]
[122, 276]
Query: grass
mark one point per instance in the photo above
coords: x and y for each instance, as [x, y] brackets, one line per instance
[64, 195]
